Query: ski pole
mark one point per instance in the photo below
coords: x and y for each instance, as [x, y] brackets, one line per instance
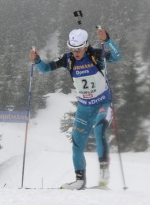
[113, 112]
[27, 122]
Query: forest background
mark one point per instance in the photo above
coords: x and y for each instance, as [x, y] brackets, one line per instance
[24, 23]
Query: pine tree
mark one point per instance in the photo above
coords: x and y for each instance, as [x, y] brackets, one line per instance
[66, 82]
[67, 124]
[130, 115]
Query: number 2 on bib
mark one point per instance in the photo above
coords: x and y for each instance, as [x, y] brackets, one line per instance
[85, 83]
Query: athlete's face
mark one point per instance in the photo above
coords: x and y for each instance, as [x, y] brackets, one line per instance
[79, 53]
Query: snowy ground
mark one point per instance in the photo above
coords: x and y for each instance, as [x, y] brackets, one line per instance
[49, 164]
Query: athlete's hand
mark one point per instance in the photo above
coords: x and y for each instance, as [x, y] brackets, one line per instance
[101, 35]
[33, 54]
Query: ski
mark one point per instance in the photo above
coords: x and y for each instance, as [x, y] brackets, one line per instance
[28, 188]
[92, 187]
[99, 187]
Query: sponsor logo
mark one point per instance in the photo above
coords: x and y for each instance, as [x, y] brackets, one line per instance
[73, 40]
[102, 109]
[13, 116]
[78, 129]
[83, 66]
[97, 100]
[82, 101]
[87, 96]
[82, 72]
[87, 92]
[81, 121]
[114, 49]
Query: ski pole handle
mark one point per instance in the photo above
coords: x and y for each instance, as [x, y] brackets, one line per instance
[102, 43]
[98, 27]
[33, 48]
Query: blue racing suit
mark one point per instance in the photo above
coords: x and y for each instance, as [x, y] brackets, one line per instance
[93, 101]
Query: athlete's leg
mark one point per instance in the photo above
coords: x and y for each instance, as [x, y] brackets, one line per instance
[82, 126]
[103, 119]
[81, 129]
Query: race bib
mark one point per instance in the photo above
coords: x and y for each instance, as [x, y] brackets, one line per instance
[85, 84]
[90, 86]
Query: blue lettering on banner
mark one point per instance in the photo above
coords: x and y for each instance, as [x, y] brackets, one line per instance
[13, 116]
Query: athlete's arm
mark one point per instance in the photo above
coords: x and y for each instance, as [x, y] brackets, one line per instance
[115, 54]
[52, 65]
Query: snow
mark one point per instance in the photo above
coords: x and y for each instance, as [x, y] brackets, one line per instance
[52, 45]
[49, 164]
